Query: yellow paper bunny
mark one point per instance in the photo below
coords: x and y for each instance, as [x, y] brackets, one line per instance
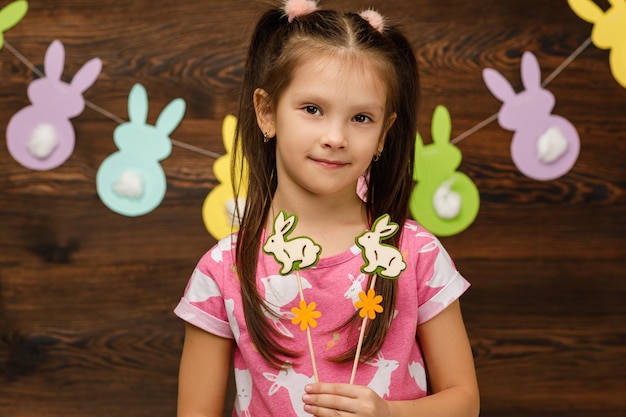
[609, 31]
[218, 210]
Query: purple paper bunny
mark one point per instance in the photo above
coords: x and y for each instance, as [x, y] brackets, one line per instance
[544, 146]
[41, 136]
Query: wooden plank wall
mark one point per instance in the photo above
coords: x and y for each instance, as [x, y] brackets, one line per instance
[86, 295]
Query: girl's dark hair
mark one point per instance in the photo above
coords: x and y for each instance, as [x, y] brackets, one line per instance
[276, 50]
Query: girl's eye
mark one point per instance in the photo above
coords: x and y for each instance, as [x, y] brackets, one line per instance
[312, 109]
[361, 118]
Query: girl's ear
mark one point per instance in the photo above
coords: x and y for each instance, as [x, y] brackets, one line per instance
[264, 112]
[388, 124]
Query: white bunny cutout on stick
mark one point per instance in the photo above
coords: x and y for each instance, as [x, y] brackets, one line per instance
[544, 146]
[382, 260]
[294, 255]
[41, 136]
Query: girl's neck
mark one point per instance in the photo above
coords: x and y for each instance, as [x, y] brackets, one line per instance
[333, 222]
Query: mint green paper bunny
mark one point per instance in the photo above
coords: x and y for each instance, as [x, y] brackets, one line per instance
[444, 201]
[131, 181]
[10, 15]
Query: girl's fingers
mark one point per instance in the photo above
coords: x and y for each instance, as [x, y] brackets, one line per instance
[326, 399]
[344, 390]
[329, 404]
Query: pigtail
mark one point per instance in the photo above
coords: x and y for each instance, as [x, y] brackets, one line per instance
[265, 45]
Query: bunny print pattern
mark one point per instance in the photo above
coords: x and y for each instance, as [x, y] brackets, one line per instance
[426, 286]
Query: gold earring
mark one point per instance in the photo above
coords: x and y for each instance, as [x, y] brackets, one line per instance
[266, 136]
[376, 156]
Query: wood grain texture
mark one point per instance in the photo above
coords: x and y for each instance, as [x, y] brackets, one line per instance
[86, 295]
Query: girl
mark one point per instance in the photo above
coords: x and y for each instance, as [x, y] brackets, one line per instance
[329, 102]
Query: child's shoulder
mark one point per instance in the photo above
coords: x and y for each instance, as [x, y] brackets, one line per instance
[412, 229]
[223, 252]
[415, 236]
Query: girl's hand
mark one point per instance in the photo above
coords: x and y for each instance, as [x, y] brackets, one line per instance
[332, 400]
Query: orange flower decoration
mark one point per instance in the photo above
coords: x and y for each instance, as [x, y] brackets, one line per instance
[305, 315]
[369, 304]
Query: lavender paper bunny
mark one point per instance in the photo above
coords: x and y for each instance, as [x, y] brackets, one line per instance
[544, 146]
[41, 136]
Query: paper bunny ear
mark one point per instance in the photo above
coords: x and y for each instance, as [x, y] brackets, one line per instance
[138, 104]
[587, 10]
[171, 116]
[531, 72]
[11, 15]
[498, 85]
[86, 75]
[284, 225]
[441, 125]
[54, 60]
[384, 227]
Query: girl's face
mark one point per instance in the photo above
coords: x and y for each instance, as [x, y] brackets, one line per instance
[328, 122]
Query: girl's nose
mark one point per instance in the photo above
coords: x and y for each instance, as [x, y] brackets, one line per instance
[334, 136]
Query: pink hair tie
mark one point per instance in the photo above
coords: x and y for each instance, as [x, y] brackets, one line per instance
[297, 8]
[375, 19]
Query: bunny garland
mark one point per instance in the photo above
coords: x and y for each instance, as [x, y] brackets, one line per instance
[45, 144]
[131, 181]
[11, 15]
[219, 210]
[41, 136]
[444, 200]
[544, 146]
[609, 31]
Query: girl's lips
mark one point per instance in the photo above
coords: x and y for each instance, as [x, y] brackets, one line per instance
[329, 164]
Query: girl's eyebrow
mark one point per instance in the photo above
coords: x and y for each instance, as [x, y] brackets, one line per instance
[313, 97]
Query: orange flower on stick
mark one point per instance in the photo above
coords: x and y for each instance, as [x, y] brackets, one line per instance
[305, 315]
[369, 304]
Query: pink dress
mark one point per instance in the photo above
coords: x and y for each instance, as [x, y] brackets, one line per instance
[212, 301]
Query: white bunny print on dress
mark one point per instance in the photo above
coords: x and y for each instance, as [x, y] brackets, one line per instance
[381, 381]
[281, 290]
[41, 136]
[243, 399]
[293, 382]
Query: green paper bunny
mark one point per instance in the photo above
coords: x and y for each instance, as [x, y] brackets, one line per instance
[11, 15]
[444, 200]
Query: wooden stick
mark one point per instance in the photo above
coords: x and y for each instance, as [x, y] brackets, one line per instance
[357, 355]
[308, 331]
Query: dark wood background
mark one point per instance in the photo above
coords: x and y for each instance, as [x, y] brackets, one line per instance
[86, 295]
